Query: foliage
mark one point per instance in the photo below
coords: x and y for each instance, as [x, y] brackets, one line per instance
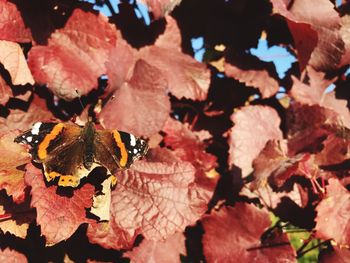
[231, 141]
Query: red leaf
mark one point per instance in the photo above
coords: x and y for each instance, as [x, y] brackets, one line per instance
[14, 218]
[253, 127]
[186, 77]
[305, 41]
[308, 126]
[314, 94]
[333, 214]
[187, 145]
[5, 91]
[14, 157]
[336, 150]
[120, 64]
[171, 36]
[23, 120]
[159, 251]
[339, 255]
[233, 234]
[75, 55]
[59, 216]
[271, 199]
[257, 78]
[274, 165]
[323, 19]
[141, 106]
[155, 199]
[160, 8]
[110, 235]
[11, 256]
[12, 27]
[14, 62]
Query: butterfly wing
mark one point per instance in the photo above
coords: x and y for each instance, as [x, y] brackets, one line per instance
[118, 150]
[59, 147]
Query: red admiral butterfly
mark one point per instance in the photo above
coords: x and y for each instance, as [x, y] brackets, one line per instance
[70, 152]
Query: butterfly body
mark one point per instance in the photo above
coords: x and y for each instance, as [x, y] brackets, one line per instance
[70, 152]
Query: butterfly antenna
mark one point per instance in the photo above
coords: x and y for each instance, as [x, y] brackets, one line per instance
[79, 96]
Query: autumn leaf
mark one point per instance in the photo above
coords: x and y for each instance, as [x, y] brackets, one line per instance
[164, 251]
[75, 55]
[5, 91]
[145, 92]
[13, 60]
[160, 8]
[12, 26]
[14, 158]
[247, 139]
[332, 221]
[11, 256]
[58, 215]
[234, 233]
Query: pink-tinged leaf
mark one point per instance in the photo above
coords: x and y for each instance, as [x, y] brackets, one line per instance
[157, 199]
[186, 77]
[141, 106]
[233, 234]
[345, 34]
[59, 216]
[253, 127]
[271, 199]
[14, 157]
[12, 27]
[120, 64]
[168, 250]
[333, 214]
[171, 36]
[160, 8]
[110, 235]
[22, 121]
[11, 256]
[187, 145]
[75, 56]
[14, 62]
[5, 91]
[323, 19]
[315, 93]
[257, 78]
[338, 255]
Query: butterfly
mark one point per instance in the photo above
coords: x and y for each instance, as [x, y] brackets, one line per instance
[70, 152]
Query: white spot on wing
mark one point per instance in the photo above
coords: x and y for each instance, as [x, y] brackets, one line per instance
[29, 139]
[132, 140]
[135, 151]
[36, 128]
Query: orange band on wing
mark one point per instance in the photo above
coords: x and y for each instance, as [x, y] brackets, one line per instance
[121, 145]
[42, 149]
